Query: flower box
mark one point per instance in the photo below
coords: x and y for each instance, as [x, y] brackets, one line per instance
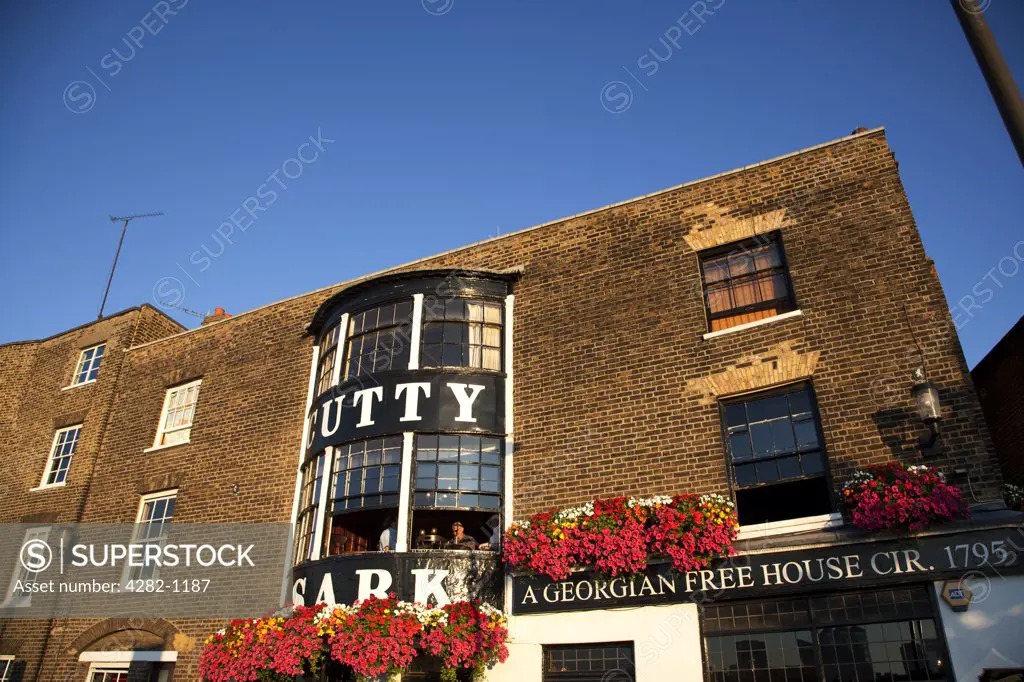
[901, 498]
[619, 536]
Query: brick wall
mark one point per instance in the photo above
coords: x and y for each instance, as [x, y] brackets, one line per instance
[609, 320]
[32, 406]
[615, 387]
[998, 379]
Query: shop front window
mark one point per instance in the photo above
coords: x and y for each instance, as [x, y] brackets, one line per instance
[364, 496]
[877, 636]
[776, 456]
[600, 662]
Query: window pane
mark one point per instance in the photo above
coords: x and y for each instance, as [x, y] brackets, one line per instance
[789, 467]
[735, 415]
[806, 434]
[782, 434]
[739, 446]
[745, 475]
[764, 443]
[768, 408]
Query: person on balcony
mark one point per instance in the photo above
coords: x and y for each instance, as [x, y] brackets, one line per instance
[459, 538]
[388, 536]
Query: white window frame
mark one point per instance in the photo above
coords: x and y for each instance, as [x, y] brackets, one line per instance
[6, 667]
[100, 667]
[161, 429]
[20, 572]
[171, 493]
[80, 365]
[43, 485]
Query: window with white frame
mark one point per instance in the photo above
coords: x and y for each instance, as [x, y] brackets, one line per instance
[109, 673]
[176, 419]
[17, 594]
[65, 442]
[6, 668]
[156, 510]
[88, 364]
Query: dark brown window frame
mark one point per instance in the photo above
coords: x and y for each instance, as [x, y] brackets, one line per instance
[726, 402]
[787, 302]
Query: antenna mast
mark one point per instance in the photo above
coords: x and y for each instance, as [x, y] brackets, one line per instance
[126, 219]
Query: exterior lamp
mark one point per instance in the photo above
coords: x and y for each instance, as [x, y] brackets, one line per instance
[926, 401]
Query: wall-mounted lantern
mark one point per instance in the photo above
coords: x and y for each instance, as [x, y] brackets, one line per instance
[926, 401]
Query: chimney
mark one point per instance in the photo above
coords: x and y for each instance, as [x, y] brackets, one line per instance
[218, 315]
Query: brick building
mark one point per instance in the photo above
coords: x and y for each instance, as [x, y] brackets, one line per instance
[998, 378]
[685, 341]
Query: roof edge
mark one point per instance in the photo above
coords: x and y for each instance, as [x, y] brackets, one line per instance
[119, 313]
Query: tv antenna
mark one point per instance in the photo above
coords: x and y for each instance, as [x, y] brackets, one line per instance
[125, 219]
[187, 311]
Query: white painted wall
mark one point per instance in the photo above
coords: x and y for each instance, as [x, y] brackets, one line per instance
[666, 641]
[990, 634]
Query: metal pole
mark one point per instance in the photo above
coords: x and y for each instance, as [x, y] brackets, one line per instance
[993, 67]
[111, 278]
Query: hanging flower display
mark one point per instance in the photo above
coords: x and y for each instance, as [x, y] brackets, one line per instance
[900, 498]
[273, 649]
[375, 638]
[467, 636]
[618, 536]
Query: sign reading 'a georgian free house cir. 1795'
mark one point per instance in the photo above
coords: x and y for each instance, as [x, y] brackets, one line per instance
[924, 558]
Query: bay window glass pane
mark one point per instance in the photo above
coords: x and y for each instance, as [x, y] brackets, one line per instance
[378, 340]
[465, 466]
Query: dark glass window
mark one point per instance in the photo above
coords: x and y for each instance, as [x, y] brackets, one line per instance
[776, 456]
[462, 333]
[602, 662]
[367, 474]
[458, 471]
[745, 282]
[378, 339]
[885, 636]
[309, 506]
[328, 353]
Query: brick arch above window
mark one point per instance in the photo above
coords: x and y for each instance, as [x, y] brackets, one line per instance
[158, 627]
[776, 367]
[714, 227]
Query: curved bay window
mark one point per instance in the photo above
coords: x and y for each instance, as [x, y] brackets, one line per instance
[364, 496]
[378, 340]
[431, 413]
[309, 507]
[328, 357]
[458, 479]
[462, 333]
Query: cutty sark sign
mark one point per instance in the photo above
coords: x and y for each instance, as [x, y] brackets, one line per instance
[990, 552]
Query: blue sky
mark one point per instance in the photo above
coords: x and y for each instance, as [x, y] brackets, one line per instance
[451, 121]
